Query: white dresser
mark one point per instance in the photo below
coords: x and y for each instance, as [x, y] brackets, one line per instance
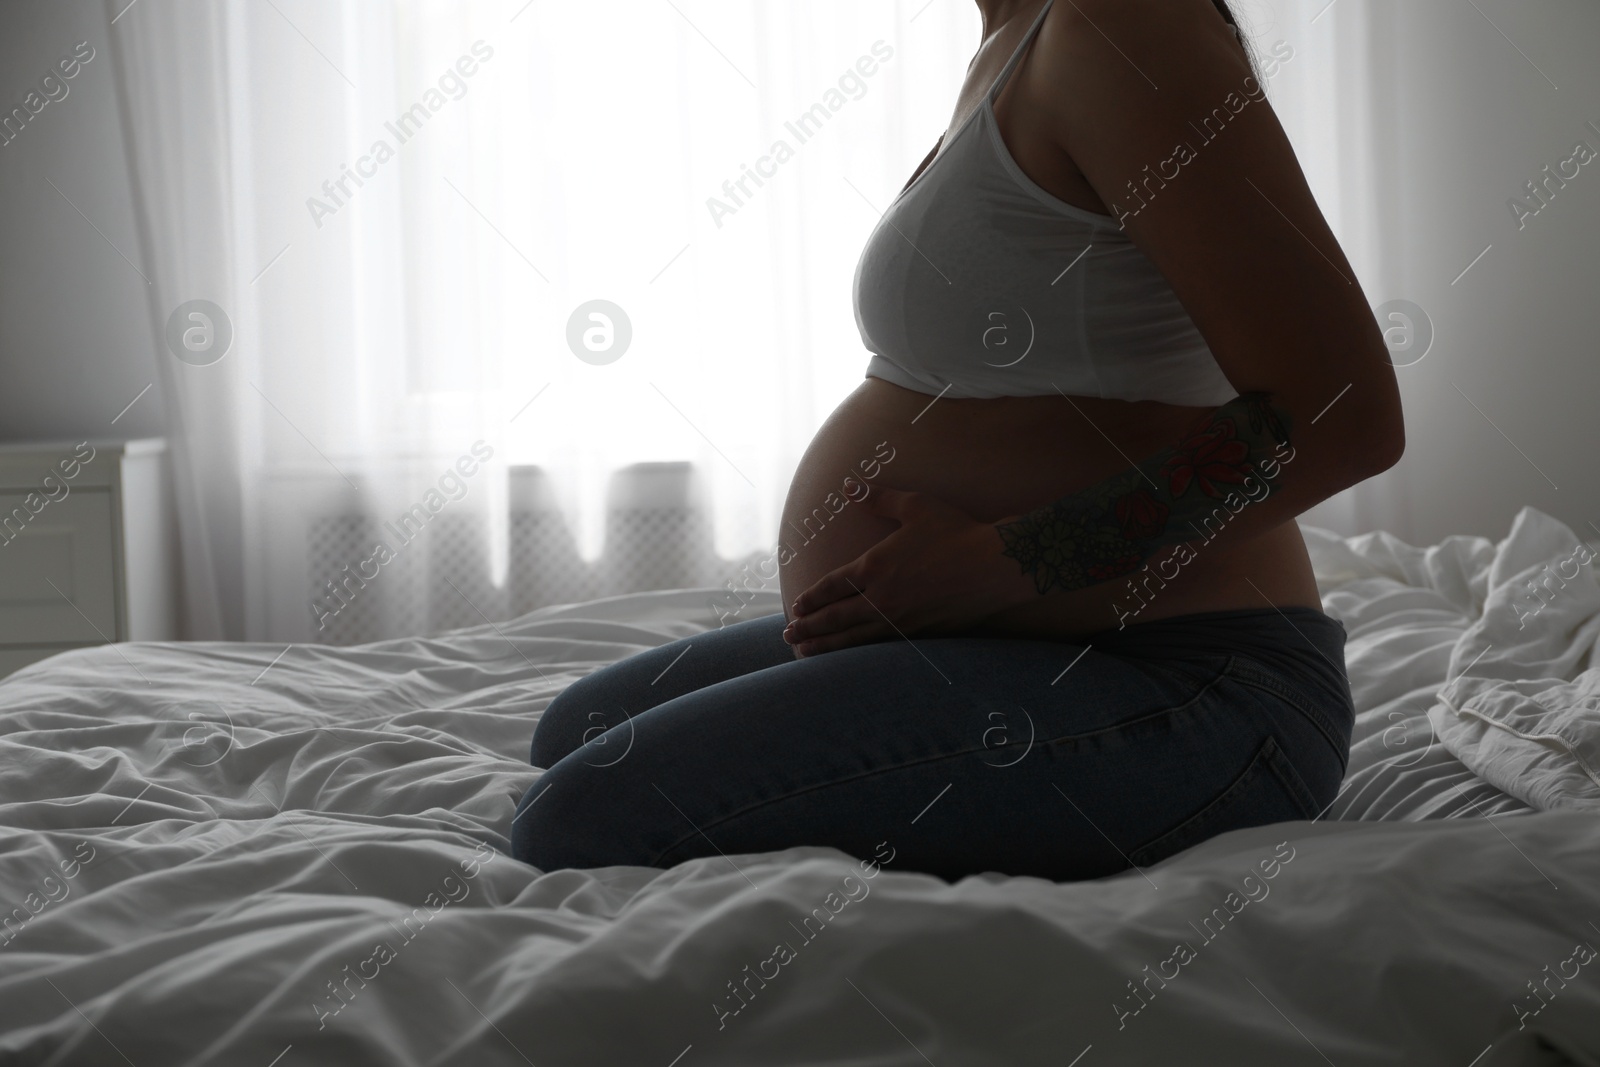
[87, 547]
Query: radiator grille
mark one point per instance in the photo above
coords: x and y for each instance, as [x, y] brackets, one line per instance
[441, 579]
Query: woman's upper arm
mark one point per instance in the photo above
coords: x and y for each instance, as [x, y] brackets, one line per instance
[1159, 110]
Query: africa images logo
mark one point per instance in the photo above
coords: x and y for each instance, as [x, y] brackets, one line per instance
[337, 192]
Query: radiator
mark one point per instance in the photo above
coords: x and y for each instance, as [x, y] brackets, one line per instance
[657, 536]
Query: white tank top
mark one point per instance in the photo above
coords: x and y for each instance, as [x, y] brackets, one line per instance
[978, 283]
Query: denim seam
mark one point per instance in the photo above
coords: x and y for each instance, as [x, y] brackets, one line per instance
[1281, 765]
[1144, 855]
[1258, 679]
[1262, 679]
[1175, 709]
[1271, 760]
[1202, 691]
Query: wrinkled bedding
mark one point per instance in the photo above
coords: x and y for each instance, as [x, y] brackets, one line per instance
[1418, 619]
[258, 855]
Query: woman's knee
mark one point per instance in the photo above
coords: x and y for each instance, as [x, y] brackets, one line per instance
[574, 816]
[583, 710]
[611, 695]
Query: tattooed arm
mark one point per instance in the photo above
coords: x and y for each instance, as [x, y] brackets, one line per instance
[1229, 459]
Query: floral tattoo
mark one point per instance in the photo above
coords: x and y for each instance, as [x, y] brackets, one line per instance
[1112, 528]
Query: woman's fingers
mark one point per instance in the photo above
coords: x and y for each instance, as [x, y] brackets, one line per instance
[849, 580]
[836, 585]
[837, 616]
[863, 634]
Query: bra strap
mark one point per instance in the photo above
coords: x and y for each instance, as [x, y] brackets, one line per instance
[1016, 57]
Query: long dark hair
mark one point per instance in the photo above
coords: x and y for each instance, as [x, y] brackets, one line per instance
[1226, 11]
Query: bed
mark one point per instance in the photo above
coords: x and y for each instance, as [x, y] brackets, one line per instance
[258, 855]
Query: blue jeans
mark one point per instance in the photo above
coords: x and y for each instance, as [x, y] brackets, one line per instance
[1061, 759]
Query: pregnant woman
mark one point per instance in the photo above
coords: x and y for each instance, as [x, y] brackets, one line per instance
[1048, 610]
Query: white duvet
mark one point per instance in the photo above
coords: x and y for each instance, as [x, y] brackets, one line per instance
[246, 854]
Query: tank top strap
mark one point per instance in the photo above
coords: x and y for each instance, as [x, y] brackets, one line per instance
[1016, 57]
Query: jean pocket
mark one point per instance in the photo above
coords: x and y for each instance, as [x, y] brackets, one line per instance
[1335, 727]
[1268, 790]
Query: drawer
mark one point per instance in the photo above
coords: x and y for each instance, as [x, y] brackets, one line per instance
[67, 545]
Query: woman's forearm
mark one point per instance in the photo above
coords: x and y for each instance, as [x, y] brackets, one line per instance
[1231, 460]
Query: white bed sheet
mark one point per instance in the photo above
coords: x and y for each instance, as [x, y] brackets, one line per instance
[205, 840]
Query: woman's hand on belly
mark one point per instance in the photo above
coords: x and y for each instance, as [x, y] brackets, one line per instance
[940, 571]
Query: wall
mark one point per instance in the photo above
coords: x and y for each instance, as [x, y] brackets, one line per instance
[1467, 102]
[75, 335]
[1503, 409]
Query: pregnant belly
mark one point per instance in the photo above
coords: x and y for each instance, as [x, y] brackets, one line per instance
[1006, 456]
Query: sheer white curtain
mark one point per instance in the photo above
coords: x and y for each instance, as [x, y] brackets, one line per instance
[405, 211]
[422, 220]
[1335, 96]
